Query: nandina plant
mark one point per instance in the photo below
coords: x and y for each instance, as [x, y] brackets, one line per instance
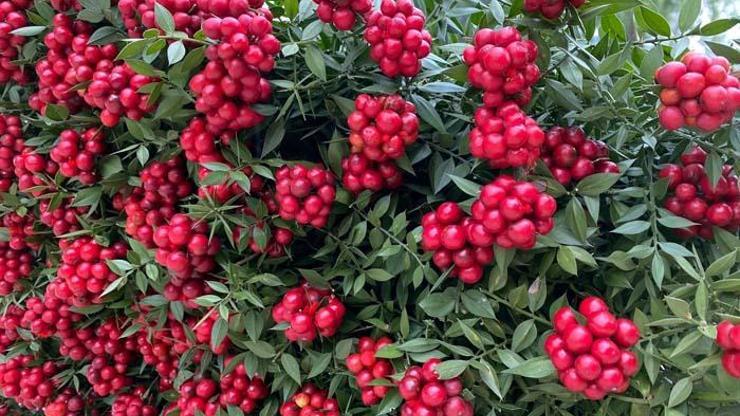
[355, 207]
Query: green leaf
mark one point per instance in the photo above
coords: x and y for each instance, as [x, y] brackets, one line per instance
[175, 52]
[315, 62]
[654, 21]
[163, 18]
[576, 219]
[438, 305]
[469, 187]
[451, 369]
[718, 26]
[56, 112]
[732, 54]
[652, 61]
[524, 335]
[478, 304]
[690, 10]
[105, 35]
[290, 364]
[218, 333]
[563, 95]
[596, 184]
[722, 264]
[274, 136]
[28, 31]
[680, 392]
[631, 228]
[567, 260]
[390, 403]
[379, 275]
[686, 342]
[260, 348]
[428, 113]
[538, 367]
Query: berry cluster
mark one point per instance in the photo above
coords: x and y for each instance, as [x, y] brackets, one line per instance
[697, 92]
[68, 62]
[238, 389]
[360, 173]
[12, 17]
[382, 127]
[138, 15]
[199, 142]
[342, 13]
[162, 348]
[456, 240]
[183, 246]
[692, 195]
[232, 81]
[550, 9]
[728, 339]
[514, 212]
[309, 311]
[366, 368]
[112, 357]
[107, 377]
[66, 403]
[203, 330]
[21, 230]
[397, 38]
[593, 359]
[84, 267]
[163, 185]
[65, 5]
[29, 168]
[304, 195]
[502, 65]
[196, 397]
[132, 404]
[571, 156]
[310, 401]
[231, 8]
[11, 144]
[49, 316]
[425, 394]
[116, 92]
[10, 321]
[75, 153]
[31, 386]
[506, 137]
[185, 290]
[63, 218]
[14, 266]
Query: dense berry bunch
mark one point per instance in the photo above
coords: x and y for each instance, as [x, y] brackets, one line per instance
[514, 212]
[66, 403]
[68, 62]
[84, 267]
[162, 348]
[30, 168]
[571, 156]
[697, 92]
[309, 311]
[197, 397]
[50, 315]
[31, 386]
[233, 8]
[593, 359]
[232, 81]
[138, 15]
[692, 195]
[359, 173]
[342, 13]
[186, 290]
[550, 9]
[132, 404]
[10, 321]
[11, 144]
[200, 143]
[12, 17]
[397, 38]
[184, 246]
[238, 389]
[63, 218]
[728, 339]
[310, 401]
[75, 153]
[20, 228]
[425, 394]
[116, 92]
[14, 266]
[108, 376]
[456, 240]
[163, 185]
[382, 127]
[304, 195]
[65, 5]
[503, 65]
[366, 368]
[506, 137]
